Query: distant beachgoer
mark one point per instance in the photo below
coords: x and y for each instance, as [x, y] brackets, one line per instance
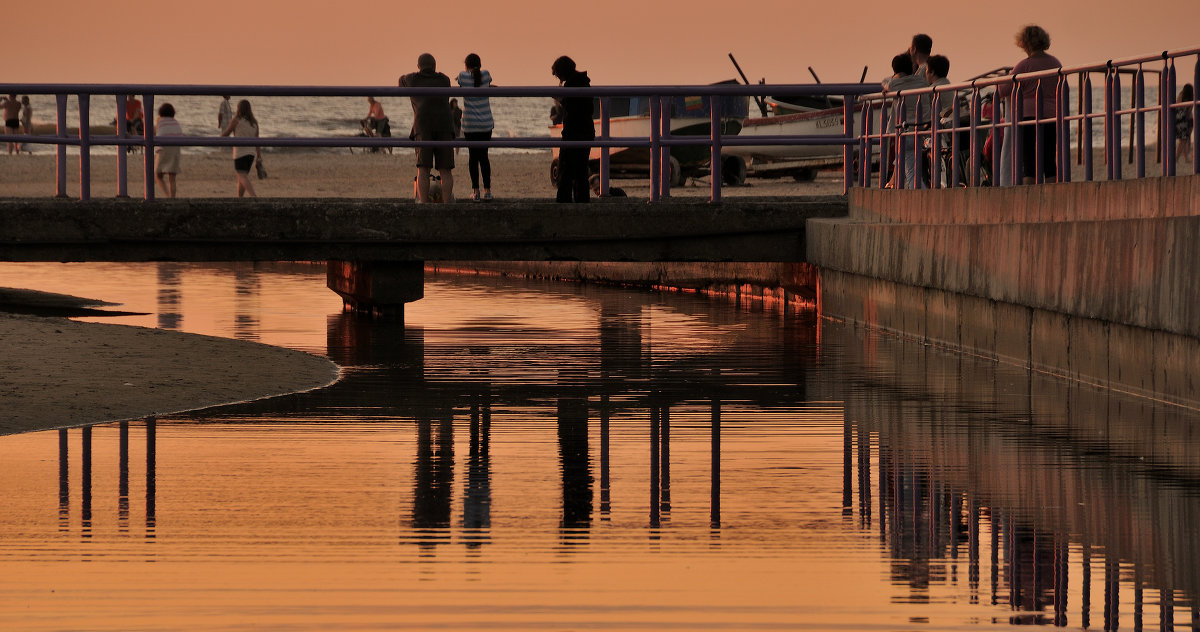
[244, 125]
[12, 119]
[477, 124]
[904, 79]
[135, 122]
[456, 116]
[577, 124]
[224, 114]
[376, 123]
[166, 165]
[594, 181]
[431, 121]
[1038, 100]
[26, 118]
[1184, 124]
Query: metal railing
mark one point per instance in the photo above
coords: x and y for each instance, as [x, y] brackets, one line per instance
[946, 141]
[660, 141]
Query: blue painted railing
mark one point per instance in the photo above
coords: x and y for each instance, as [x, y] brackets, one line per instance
[949, 133]
[659, 141]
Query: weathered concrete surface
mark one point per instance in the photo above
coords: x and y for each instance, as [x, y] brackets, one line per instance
[1113, 299]
[377, 230]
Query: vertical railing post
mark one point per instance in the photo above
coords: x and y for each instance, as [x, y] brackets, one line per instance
[885, 144]
[1139, 121]
[864, 147]
[1017, 158]
[918, 175]
[955, 149]
[1062, 130]
[1116, 137]
[85, 147]
[901, 117]
[605, 152]
[715, 129]
[664, 126]
[935, 148]
[655, 156]
[1108, 121]
[976, 151]
[1085, 136]
[1166, 117]
[1195, 107]
[148, 150]
[1039, 149]
[122, 151]
[997, 134]
[847, 150]
[60, 152]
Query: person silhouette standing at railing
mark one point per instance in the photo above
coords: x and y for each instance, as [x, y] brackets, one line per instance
[1184, 124]
[431, 121]
[577, 124]
[1038, 101]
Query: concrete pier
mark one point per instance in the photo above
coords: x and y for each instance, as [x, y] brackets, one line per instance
[1098, 281]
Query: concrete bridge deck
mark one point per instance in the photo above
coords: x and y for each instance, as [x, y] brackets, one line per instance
[762, 229]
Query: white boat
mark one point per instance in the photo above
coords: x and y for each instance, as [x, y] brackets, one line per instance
[810, 116]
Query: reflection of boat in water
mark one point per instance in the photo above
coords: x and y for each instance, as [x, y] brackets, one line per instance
[791, 116]
[690, 116]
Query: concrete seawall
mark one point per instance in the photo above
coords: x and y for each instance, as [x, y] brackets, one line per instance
[1098, 282]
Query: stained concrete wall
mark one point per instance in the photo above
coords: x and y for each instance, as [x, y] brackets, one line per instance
[1110, 299]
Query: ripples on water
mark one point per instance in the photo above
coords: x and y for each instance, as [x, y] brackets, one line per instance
[526, 455]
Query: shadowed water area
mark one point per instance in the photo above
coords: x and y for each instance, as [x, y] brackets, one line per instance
[528, 455]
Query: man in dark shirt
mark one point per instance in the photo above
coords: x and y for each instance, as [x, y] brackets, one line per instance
[431, 121]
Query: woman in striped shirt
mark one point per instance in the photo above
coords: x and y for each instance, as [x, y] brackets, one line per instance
[477, 124]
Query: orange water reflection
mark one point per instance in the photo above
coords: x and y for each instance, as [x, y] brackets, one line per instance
[531, 456]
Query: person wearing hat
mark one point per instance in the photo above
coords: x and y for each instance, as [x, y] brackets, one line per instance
[431, 121]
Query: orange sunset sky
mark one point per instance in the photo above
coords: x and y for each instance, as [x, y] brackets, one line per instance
[619, 42]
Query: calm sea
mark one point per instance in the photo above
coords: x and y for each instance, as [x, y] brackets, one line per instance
[340, 116]
[526, 455]
[295, 117]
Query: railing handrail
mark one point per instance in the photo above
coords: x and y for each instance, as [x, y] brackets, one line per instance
[1025, 76]
[659, 140]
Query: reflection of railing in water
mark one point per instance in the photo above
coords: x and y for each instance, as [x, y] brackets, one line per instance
[86, 505]
[931, 506]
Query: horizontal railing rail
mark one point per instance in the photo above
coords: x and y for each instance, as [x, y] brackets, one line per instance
[659, 140]
[951, 143]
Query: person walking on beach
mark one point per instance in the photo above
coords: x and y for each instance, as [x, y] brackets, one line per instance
[431, 121]
[1038, 101]
[477, 124]
[12, 120]
[224, 114]
[577, 124]
[244, 125]
[26, 117]
[166, 166]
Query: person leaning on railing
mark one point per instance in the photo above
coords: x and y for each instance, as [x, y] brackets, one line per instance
[1037, 101]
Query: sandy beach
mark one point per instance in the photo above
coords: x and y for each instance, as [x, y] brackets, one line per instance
[356, 175]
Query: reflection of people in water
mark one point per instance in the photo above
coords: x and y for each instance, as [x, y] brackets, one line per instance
[576, 466]
[477, 498]
[434, 474]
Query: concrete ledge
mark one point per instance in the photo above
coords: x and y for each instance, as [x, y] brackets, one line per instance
[1154, 364]
[1145, 198]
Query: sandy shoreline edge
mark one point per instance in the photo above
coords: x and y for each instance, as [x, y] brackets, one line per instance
[58, 373]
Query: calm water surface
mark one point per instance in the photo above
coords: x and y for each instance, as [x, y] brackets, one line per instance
[523, 455]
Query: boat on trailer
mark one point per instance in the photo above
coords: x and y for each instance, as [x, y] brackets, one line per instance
[630, 117]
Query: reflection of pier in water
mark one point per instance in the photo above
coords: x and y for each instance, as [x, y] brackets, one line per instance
[86, 504]
[1045, 478]
[1034, 487]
